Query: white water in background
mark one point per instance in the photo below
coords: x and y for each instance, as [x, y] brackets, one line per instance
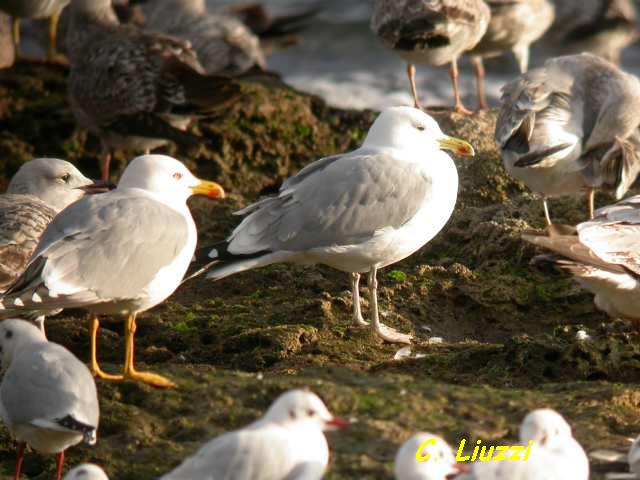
[342, 61]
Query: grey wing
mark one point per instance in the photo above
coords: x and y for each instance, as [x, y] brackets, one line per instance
[344, 203]
[101, 248]
[23, 218]
[47, 385]
[237, 455]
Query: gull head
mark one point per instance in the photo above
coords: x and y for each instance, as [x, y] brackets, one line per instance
[301, 407]
[14, 335]
[408, 128]
[438, 461]
[56, 182]
[545, 427]
[86, 471]
[167, 178]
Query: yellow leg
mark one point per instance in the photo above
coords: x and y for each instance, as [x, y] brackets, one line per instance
[591, 196]
[129, 372]
[16, 34]
[53, 36]
[94, 326]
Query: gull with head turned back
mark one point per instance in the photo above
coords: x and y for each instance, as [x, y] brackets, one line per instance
[86, 471]
[356, 212]
[119, 253]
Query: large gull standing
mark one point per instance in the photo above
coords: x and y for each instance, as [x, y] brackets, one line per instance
[37, 193]
[119, 253]
[288, 442]
[223, 43]
[48, 398]
[356, 212]
[35, 9]
[571, 127]
[603, 255]
[514, 26]
[136, 90]
[432, 32]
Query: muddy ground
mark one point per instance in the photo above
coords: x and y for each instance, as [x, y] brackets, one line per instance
[509, 331]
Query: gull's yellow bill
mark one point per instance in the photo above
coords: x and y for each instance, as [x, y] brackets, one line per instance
[208, 189]
[457, 146]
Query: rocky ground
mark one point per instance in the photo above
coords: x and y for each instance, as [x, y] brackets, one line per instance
[508, 330]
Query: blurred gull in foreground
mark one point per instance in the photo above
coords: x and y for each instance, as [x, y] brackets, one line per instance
[119, 253]
[514, 26]
[356, 212]
[603, 255]
[287, 442]
[439, 460]
[48, 399]
[86, 471]
[37, 193]
[431, 33]
[571, 127]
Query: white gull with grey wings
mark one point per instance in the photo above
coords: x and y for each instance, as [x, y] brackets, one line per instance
[356, 212]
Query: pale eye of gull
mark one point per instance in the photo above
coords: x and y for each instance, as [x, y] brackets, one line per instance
[422, 128]
[65, 178]
[177, 176]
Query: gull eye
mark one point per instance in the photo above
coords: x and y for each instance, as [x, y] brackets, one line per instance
[177, 176]
[66, 177]
[311, 413]
[292, 414]
[8, 334]
[422, 128]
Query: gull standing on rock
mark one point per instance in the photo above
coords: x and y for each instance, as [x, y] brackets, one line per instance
[514, 26]
[223, 43]
[431, 32]
[438, 460]
[48, 399]
[288, 442]
[136, 90]
[603, 255]
[35, 9]
[86, 471]
[37, 193]
[571, 127]
[356, 212]
[119, 253]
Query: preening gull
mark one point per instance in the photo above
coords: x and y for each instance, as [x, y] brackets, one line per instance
[431, 32]
[223, 43]
[48, 398]
[287, 442]
[603, 255]
[601, 27]
[514, 26]
[86, 471]
[356, 212]
[35, 9]
[37, 192]
[136, 90]
[437, 460]
[571, 127]
[119, 253]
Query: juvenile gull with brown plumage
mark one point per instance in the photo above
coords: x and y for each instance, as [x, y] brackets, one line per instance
[571, 127]
[136, 90]
[514, 26]
[431, 32]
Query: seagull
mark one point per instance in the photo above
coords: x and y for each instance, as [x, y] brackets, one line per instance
[35, 9]
[431, 33]
[37, 193]
[633, 457]
[48, 398]
[603, 256]
[86, 471]
[287, 442]
[514, 26]
[119, 253]
[439, 461]
[601, 27]
[136, 90]
[224, 45]
[356, 212]
[571, 127]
